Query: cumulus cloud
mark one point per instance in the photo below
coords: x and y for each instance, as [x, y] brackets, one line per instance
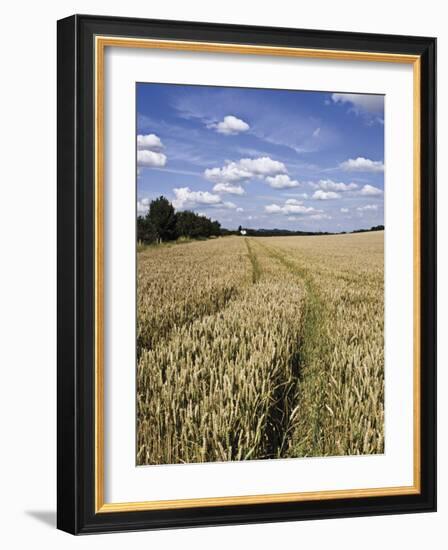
[150, 158]
[263, 166]
[149, 141]
[186, 198]
[231, 172]
[367, 103]
[361, 164]
[370, 190]
[143, 206]
[245, 169]
[325, 195]
[291, 206]
[281, 181]
[229, 188]
[330, 185]
[367, 207]
[148, 153]
[344, 210]
[231, 125]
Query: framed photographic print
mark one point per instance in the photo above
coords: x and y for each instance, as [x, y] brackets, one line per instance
[246, 274]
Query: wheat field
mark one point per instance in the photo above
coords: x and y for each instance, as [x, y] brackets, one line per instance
[258, 348]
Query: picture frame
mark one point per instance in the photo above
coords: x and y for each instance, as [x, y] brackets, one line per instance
[82, 42]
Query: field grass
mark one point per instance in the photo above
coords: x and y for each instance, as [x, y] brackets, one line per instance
[252, 348]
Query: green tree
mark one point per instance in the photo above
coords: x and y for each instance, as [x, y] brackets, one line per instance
[186, 224]
[162, 218]
[189, 224]
[145, 230]
[216, 229]
[162, 223]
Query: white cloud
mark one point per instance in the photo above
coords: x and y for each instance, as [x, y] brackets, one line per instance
[186, 198]
[316, 133]
[344, 210]
[330, 185]
[240, 209]
[362, 164]
[263, 166]
[148, 153]
[150, 158]
[370, 103]
[325, 195]
[231, 172]
[149, 141]
[281, 181]
[245, 169]
[370, 190]
[231, 125]
[367, 207]
[228, 188]
[143, 206]
[291, 206]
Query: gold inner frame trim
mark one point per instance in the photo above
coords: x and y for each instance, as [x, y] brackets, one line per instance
[101, 42]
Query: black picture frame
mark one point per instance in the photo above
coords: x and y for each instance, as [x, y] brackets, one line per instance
[76, 256]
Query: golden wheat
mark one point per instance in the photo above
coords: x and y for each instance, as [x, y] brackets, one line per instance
[341, 397]
[176, 284]
[260, 348]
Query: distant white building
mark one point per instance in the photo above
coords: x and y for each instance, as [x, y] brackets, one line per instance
[243, 232]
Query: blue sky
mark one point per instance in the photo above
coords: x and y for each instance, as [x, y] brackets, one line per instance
[261, 158]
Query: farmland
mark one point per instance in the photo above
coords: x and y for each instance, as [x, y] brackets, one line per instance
[258, 348]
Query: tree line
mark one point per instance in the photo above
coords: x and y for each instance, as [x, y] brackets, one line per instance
[162, 223]
[297, 233]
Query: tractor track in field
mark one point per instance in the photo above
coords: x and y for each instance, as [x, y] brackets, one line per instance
[256, 269]
[311, 337]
